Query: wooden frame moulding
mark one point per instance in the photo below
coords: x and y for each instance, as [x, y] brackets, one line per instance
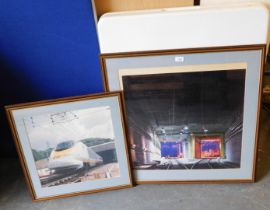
[17, 135]
[126, 55]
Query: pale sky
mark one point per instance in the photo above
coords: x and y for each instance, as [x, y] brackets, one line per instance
[44, 130]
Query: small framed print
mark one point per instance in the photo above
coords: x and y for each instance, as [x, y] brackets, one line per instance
[72, 146]
[192, 114]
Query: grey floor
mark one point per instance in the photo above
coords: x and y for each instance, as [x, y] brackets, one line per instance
[14, 194]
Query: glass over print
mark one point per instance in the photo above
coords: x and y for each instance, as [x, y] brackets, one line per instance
[72, 146]
[192, 114]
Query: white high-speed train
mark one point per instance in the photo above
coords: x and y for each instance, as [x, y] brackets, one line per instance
[71, 155]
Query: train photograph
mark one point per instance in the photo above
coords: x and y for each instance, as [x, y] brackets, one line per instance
[74, 146]
[183, 121]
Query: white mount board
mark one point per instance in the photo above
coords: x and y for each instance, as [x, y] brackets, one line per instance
[186, 27]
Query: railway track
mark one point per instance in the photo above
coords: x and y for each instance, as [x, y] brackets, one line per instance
[76, 176]
[64, 179]
[201, 164]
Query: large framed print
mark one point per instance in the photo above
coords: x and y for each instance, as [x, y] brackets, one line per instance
[72, 146]
[192, 114]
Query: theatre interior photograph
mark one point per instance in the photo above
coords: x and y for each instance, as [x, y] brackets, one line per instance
[185, 120]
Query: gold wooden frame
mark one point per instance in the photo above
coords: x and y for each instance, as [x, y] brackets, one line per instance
[261, 47]
[17, 142]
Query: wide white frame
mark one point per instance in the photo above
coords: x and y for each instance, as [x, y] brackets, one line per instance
[185, 27]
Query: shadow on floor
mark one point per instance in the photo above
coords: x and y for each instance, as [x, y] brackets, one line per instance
[263, 160]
